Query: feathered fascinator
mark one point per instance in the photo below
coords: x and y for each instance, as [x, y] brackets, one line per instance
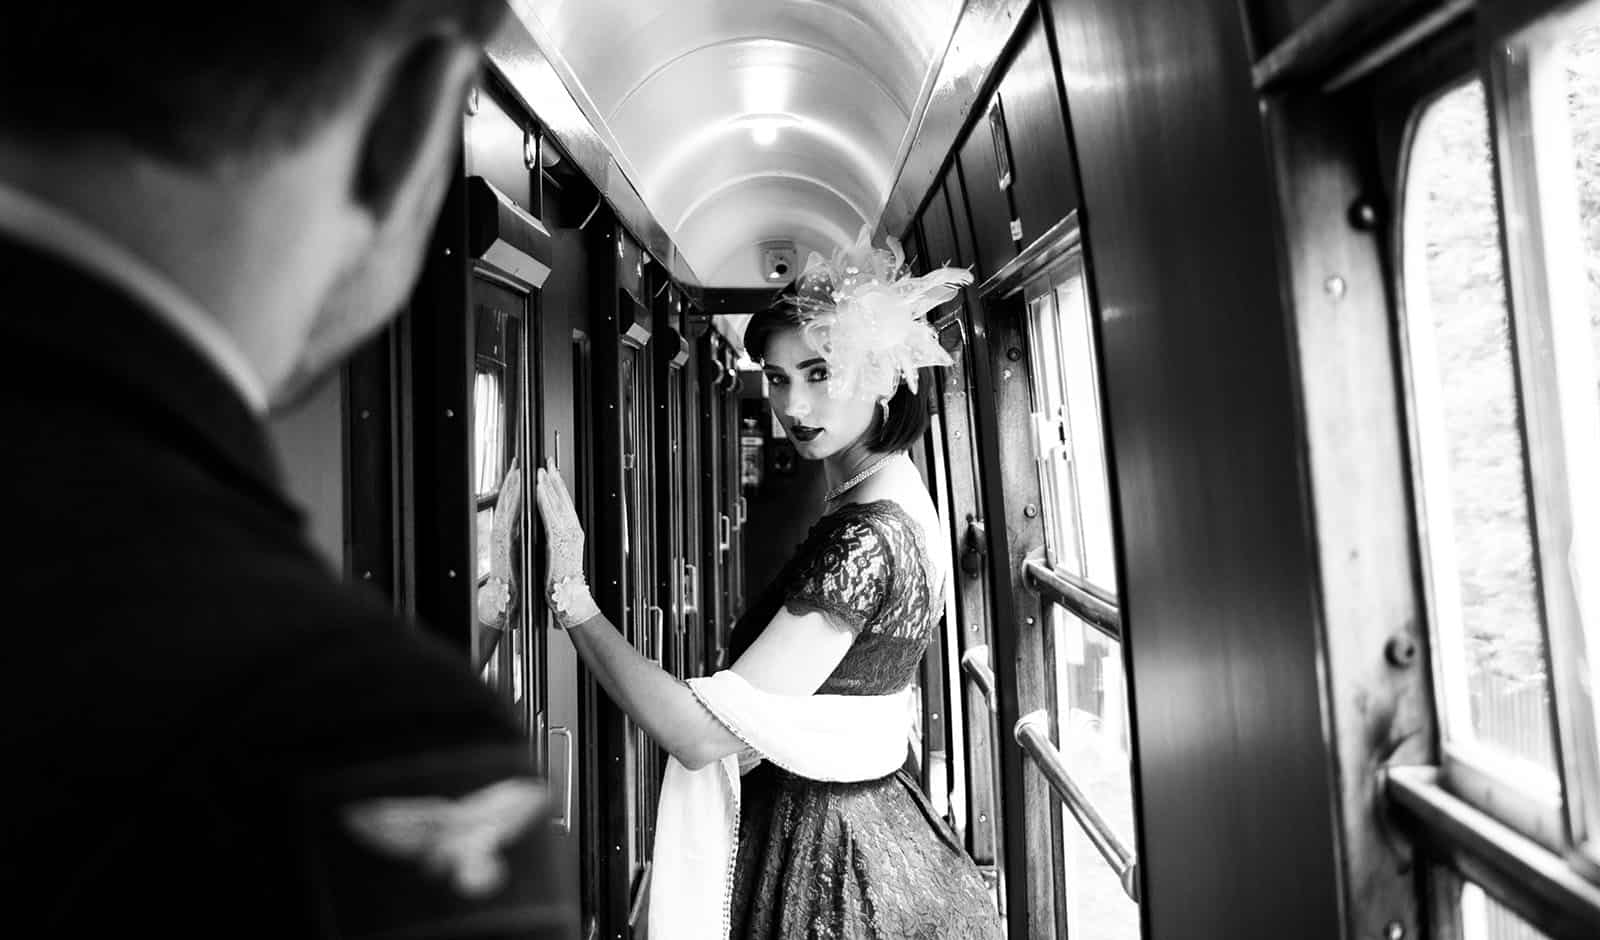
[865, 314]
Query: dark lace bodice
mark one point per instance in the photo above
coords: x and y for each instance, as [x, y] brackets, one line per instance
[865, 566]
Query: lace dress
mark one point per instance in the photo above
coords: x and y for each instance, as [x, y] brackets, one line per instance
[854, 860]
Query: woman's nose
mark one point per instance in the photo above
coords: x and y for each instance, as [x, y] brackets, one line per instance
[798, 406]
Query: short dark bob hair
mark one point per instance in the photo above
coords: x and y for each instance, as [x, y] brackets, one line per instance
[907, 420]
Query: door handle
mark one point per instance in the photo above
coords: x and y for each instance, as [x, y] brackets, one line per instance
[727, 531]
[691, 587]
[566, 800]
[742, 506]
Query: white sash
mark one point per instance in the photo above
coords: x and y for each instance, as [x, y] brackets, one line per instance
[820, 737]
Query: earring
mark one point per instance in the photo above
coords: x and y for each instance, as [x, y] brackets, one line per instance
[883, 406]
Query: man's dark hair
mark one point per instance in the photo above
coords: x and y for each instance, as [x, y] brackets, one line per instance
[195, 82]
[907, 419]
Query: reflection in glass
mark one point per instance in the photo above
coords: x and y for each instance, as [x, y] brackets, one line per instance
[1471, 456]
[488, 432]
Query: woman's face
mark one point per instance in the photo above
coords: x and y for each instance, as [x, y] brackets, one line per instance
[797, 381]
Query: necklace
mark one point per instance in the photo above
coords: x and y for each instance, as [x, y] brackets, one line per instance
[847, 485]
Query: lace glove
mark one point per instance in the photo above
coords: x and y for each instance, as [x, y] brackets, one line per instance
[569, 592]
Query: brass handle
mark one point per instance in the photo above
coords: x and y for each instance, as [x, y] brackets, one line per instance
[660, 631]
[742, 506]
[566, 800]
[691, 587]
[727, 531]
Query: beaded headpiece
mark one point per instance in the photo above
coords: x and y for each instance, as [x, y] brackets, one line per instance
[866, 315]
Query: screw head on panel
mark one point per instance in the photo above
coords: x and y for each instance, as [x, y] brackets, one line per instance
[1401, 650]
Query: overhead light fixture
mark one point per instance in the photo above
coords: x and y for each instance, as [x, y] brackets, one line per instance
[764, 133]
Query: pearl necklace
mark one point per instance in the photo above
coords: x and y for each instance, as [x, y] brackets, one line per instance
[847, 485]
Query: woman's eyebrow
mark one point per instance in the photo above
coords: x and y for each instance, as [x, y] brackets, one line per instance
[812, 362]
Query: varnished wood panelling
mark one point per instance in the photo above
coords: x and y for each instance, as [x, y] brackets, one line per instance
[1356, 458]
[1045, 182]
[989, 205]
[494, 149]
[938, 233]
[1272, 21]
[1232, 765]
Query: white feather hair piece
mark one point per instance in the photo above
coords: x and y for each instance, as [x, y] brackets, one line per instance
[866, 315]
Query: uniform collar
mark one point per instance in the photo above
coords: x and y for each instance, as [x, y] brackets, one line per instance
[33, 222]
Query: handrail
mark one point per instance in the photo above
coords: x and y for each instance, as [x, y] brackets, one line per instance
[1033, 733]
[975, 663]
[1088, 602]
[1537, 884]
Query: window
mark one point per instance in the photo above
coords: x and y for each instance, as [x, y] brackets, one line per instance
[1484, 919]
[1500, 270]
[1547, 81]
[1091, 704]
[1470, 454]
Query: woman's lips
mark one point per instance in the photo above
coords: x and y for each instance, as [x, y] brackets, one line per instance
[804, 434]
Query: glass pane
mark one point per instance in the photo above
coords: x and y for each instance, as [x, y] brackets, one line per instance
[1581, 55]
[1094, 743]
[1083, 424]
[1471, 461]
[1484, 918]
[489, 421]
[485, 526]
[1564, 162]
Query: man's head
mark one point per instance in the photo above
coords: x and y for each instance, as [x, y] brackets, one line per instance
[304, 145]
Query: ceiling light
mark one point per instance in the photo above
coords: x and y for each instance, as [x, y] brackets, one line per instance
[764, 133]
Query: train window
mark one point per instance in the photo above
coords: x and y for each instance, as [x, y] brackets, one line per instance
[1547, 99]
[1500, 237]
[1470, 452]
[1482, 918]
[489, 411]
[1092, 706]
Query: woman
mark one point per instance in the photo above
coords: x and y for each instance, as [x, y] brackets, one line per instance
[831, 840]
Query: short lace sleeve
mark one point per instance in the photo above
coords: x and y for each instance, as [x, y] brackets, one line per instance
[846, 578]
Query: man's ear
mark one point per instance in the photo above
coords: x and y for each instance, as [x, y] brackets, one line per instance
[416, 110]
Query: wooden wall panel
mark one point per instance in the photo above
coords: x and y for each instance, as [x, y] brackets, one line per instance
[1233, 772]
[989, 205]
[1045, 183]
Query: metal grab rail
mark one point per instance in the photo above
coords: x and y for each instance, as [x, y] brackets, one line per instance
[1033, 733]
[1088, 602]
[975, 663]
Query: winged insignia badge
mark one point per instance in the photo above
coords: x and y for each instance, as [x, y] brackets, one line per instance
[459, 839]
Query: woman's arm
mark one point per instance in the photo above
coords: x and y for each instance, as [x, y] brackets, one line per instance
[793, 656]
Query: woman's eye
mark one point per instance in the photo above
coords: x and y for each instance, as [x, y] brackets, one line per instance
[777, 380]
[818, 375]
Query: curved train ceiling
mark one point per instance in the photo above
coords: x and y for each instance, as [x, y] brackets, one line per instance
[746, 121]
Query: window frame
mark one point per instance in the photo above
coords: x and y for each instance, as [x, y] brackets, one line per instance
[1064, 584]
[1471, 770]
[1535, 854]
[1532, 188]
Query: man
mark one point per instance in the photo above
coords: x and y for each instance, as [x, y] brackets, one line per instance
[203, 207]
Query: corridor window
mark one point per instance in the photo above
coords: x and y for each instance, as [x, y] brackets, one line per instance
[1547, 92]
[1500, 238]
[1091, 703]
[1471, 456]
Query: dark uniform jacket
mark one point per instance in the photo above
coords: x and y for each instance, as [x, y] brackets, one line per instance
[206, 734]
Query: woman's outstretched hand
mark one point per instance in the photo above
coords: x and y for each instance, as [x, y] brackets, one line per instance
[563, 532]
